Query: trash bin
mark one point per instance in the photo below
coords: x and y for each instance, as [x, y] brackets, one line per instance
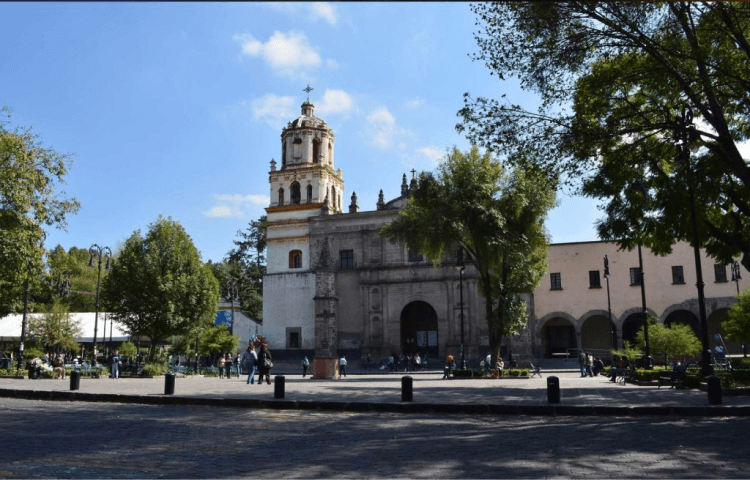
[279, 382]
[169, 384]
[714, 389]
[553, 389]
[407, 389]
[75, 380]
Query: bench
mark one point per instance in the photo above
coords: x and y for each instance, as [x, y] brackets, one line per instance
[534, 370]
[676, 377]
[623, 375]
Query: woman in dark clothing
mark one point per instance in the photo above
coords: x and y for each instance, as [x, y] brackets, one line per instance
[264, 364]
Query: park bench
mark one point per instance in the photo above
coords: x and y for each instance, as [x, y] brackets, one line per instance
[676, 377]
[534, 370]
[625, 375]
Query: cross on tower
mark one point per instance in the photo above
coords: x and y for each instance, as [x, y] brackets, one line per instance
[413, 173]
[308, 90]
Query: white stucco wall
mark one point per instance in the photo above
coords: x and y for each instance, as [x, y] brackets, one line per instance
[288, 302]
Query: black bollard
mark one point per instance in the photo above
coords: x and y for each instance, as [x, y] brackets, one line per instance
[714, 389]
[553, 389]
[279, 382]
[75, 380]
[169, 384]
[407, 389]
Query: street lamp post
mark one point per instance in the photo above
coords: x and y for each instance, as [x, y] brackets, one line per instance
[100, 253]
[609, 302]
[736, 277]
[684, 136]
[461, 267]
[647, 359]
[23, 321]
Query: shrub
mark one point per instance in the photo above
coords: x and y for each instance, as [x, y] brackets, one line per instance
[154, 369]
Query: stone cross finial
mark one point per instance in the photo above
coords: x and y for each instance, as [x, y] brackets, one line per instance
[308, 90]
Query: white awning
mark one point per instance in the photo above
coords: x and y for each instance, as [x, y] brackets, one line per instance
[10, 327]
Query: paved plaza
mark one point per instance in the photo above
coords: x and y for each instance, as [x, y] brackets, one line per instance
[227, 429]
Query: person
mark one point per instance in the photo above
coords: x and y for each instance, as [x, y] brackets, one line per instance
[582, 362]
[249, 361]
[598, 366]
[450, 365]
[512, 361]
[114, 365]
[228, 364]
[305, 364]
[499, 366]
[488, 362]
[220, 364]
[342, 366]
[417, 362]
[264, 364]
[237, 360]
[589, 365]
[622, 366]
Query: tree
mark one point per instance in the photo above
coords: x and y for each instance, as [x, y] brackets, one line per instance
[496, 216]
[158, 285]
[217, 340]
[737, 325]
[30, 178]
[677, 339]
[626, 69]
[73, 266]
[54, 330]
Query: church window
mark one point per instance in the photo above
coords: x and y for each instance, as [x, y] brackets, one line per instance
[283, 153]
[720, 272]
[281, 196]
[309, 194]
[295, 259]
[293, 337]
[415, 256]
[555, 281]
[347, 259]
[295, 193]
[316, 150]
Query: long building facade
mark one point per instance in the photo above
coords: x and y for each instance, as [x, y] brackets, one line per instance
[335, 287]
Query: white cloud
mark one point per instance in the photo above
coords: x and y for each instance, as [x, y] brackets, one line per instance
[325, 11]
[288, 54]
[335, 102]
[414, 102]
[332, 64]
[382, 129]
[235, 205]
[274, 110]
[433, 153]
[744, 149]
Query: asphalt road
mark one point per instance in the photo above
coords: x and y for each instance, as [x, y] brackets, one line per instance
[61, 439]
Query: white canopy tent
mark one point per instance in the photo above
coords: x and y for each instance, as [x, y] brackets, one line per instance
[10, 327]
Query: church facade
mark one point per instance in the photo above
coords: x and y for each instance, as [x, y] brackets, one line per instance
[335, 287]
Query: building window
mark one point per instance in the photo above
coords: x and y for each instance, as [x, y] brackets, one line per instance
[556, 281]
[295, 259]
[295, 193]
[316, 150]
[293, 337]
[281, 197]
[635, 276]
[415, 256]
[720, 272]
[309, 194]
[677, 275]
[594, 280]
[347, 259]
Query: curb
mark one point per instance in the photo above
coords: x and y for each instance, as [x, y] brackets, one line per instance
[475, 409]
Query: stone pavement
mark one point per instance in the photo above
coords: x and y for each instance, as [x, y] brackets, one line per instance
[579, 396]
[61, 439]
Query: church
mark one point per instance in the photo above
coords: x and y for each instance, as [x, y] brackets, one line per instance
[333, 287]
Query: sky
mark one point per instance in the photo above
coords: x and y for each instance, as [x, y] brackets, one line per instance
[176, 109]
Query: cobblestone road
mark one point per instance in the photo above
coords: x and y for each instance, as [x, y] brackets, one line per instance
[95, 440]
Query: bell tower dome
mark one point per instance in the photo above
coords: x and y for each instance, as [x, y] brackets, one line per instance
[306, 177]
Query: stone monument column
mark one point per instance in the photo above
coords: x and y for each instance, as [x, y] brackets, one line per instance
[325, 362]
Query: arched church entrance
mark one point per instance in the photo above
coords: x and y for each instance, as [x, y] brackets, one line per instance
[685, 317]
[598, 333]
[558, 335]
[419, 329]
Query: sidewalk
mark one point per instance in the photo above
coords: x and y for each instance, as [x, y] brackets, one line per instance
[382, 392]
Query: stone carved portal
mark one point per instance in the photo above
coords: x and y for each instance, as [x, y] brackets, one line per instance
[419, 329]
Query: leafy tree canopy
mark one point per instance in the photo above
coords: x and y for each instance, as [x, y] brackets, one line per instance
[497, 216]
[158, 285]
[30, 198]
[737, 325]
[677, 339]
[613, 78]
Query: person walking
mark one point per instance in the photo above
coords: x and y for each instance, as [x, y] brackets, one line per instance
[114, 365]
[249, 361]
[342, 365]
[264, 364]
[582, 362]
[305, 364]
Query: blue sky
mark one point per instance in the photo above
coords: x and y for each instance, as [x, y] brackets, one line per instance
[177, 108]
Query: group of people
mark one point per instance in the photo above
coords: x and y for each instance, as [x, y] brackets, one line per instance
[260, 362]
[590, 365]
[410, 363]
